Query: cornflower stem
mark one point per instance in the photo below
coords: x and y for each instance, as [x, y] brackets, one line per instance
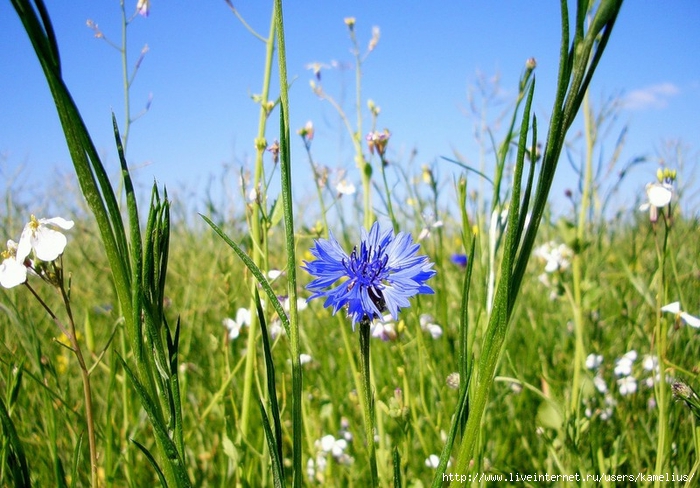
[660, 332]
[368, 400]
[71, 335]
[256, 231]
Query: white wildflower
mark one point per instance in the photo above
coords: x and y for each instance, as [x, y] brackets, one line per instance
[38, 235]
[433, 461]
[344, 187]
[627, 385]
[623, 366]
[600, 384]
[593, 361]
[427, 324]
[234, 326]
[13, 272]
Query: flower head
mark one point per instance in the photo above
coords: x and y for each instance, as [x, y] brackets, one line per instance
[658, 196]
[13, 272]
[384, 329]
[460, 260]
[427, 323]
[47, 243]
[593, 361]
[380, 274]
[234, 327]
[344, 187]
[143, 7]
[623, 366]
[627, 385]
[377, 141]
[556, 256]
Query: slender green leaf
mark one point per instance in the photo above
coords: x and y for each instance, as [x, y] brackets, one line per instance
[270, 373]
[152, 460]
[277, 472]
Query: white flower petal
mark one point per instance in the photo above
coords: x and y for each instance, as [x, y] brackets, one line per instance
[327, 443]
[435, 331]
[344, 187]
[600, 384]
[433, 461]
[24, 247]
[233, 327]
[48, 244]
[659, 195]
[690, 320]
[674, 307]
[58, 222]
[12, 273]
[243, 317]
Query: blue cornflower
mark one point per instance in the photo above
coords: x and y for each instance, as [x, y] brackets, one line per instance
[460, 260]
[381, 275]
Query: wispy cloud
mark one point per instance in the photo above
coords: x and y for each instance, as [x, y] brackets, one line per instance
[653, 96]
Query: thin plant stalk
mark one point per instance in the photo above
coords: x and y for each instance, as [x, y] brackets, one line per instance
[256, 231]
[318, 178]
[362, 164]
[70, 334]
[660, 335]
[290, 245]
[577, 263]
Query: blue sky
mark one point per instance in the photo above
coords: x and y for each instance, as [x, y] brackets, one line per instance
[203, 65]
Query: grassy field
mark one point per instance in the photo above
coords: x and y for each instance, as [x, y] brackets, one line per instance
[184, 352]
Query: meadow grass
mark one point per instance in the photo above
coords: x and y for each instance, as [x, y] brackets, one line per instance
[199, 376]
[525, 425]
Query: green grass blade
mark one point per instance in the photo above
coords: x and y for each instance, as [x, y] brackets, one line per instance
[286, 184]
[270, 374]
[277, 472]
[152, 461]
[16, 460]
